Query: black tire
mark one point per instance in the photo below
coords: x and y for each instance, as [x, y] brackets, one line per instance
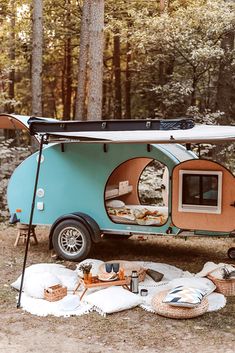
[71, 240]
[231, 253]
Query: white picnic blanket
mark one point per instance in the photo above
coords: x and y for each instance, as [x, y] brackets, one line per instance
[107, 300]
[214, 269]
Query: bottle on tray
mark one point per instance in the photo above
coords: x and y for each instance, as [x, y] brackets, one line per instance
[134, 285]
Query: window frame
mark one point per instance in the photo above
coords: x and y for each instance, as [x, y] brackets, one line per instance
[200, 208]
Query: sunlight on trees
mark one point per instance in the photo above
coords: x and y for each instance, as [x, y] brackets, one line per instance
[160, 59]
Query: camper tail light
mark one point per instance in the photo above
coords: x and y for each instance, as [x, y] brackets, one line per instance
[18, 210]
[13, 219]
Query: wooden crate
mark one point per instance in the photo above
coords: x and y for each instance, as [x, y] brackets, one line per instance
[55, 293]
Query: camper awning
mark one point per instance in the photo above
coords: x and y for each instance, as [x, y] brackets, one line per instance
[135, 131]
[121, 131]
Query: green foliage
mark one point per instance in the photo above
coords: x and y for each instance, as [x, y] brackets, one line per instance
[187, 42]
[172, 59]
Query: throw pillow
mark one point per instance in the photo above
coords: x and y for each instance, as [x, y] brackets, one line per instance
[113, 299]
[185, 297]
[35, 283]
[115, 204]
[204, 284]
[67, 277]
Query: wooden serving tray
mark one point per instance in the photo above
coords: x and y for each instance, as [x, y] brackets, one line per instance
[96, 282]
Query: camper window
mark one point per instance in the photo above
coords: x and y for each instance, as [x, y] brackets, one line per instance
[134, 193]
[200, 191]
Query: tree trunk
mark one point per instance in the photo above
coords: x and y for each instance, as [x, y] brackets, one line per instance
[94, 104]
[161, 73]
[117, 78]
[163, 5]
[110, 98]
[80, 110]
[37, 58]
[104, 99]
[128, 82]
[63, 92]
[10, 108]
[194, 86]
[107, 91]
[52, 100]
[68, 80]
[161, 67]
[225, 96]
[68, 68]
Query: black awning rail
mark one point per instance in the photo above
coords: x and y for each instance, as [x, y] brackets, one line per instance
[39, 126]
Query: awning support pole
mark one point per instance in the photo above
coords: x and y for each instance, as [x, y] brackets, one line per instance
[31, 219]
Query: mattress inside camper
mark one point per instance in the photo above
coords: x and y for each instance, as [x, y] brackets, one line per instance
[139, 214]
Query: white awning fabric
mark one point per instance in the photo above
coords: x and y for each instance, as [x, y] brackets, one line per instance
[198, 134]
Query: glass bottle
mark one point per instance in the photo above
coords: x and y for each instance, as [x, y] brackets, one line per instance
[121, 274]
[134, 285]
[85, 276]
[89, 280]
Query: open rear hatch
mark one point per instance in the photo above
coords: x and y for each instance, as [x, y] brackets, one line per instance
[14, 122]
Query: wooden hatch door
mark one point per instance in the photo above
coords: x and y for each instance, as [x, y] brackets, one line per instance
[203, 196]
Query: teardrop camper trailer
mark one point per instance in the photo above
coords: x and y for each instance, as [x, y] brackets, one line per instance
[85, 181]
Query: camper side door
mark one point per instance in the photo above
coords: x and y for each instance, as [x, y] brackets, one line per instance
[203, 196]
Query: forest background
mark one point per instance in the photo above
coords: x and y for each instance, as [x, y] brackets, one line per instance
[119, 59]
[160, 58]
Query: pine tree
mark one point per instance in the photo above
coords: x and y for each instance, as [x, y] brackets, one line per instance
[37, 42]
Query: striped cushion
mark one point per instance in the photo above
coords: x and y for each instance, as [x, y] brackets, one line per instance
[184, 296]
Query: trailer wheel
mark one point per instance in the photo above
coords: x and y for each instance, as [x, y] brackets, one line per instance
[231, 253]
[71, 240]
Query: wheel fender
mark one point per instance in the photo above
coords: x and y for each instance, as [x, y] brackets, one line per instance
[93, 227]
[86, 220]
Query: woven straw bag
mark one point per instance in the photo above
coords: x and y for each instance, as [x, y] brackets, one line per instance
[177, 312]
[223, 286]
[128, 267]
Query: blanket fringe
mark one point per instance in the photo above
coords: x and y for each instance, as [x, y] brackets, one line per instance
[99, 311]
[147, 308]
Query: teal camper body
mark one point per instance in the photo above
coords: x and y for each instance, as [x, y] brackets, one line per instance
[85, 187]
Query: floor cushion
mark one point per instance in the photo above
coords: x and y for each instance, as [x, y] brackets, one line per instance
[112, 299]
[175, 312]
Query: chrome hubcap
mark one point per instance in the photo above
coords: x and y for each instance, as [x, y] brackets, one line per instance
[70, 240]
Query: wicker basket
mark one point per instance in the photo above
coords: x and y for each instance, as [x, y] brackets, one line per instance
[176, 312]
[223, 286]
[128, 267]
[54, 293]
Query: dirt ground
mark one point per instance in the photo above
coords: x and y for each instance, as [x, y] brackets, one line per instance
[128, 331]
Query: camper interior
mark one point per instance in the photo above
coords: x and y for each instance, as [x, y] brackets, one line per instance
[130, 200]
